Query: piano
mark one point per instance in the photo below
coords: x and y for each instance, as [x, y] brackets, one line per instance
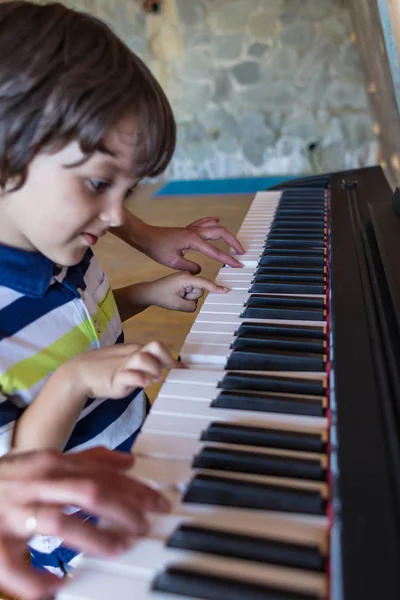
[279, 447]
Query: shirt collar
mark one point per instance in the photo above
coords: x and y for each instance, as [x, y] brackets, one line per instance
[27, 272]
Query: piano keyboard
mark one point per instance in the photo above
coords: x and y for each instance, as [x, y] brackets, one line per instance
[239, 441]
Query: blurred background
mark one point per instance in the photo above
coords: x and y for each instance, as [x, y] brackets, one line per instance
[270, 86]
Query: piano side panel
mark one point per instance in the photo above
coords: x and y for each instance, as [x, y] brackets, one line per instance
[367, 507]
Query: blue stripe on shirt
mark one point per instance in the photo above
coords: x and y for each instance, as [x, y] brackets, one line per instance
[98, 420]
[9, 412]
[26, 310]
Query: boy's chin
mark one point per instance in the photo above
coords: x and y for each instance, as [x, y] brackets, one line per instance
[68, 259]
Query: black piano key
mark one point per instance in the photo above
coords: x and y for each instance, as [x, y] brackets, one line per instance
[268, 402]
[311, 204]
[259, 301]
[247, 547]
[292, 260]
[256, 359]
[296, 235]
[269, 251]
[301, 233]
[267, 383]
[278, 342]
[289, 278]
[265, 330]
[196, 584]
[228, 433]
[298, 211]
[317, 190]
[239, 461]
[290, 270]
[285, 287]
[283, 218]
[221, 491]
[299, 225]
[284, 313]
[318, 208]
[292, 243]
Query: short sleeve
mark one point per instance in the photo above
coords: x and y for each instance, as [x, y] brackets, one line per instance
[10, 412]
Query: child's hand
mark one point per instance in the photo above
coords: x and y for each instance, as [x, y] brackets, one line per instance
[115, 372]
[181, 291]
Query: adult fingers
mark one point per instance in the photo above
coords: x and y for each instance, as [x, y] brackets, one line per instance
[109, 495]
[87, 536]
[17, 578]
[111, 458]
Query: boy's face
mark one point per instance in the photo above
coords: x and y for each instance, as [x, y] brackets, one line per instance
[63, 209]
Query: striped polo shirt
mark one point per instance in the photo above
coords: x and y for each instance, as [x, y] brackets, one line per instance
[48, 315]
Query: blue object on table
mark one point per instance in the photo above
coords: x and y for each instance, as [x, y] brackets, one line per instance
[244, 185]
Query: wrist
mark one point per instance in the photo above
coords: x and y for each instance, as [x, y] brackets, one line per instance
[74, 378]
[141, 295]
[135, 232]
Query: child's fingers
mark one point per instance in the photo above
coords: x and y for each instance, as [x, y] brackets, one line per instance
[205, 284]
[125, 382]
[145, 362]
[161, 352]
[193, 293]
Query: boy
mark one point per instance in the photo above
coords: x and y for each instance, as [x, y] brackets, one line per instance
[82, 121]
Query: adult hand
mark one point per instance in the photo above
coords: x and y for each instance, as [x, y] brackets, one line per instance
[36, 487]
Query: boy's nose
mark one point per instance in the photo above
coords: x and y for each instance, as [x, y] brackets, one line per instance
[113, 214]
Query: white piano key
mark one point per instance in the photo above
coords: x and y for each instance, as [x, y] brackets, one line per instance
[192, 427]
[206, 316]
[240, 296]
[234, 283]
[201, 326]
[202, 337]
[205, 354]
[199, 409]
[148, 557]
[235, 297]
[233, 271]
[99, 582]
[206, 377]
[175, 475]
[284, 527]
[248, 260]
[226, 328]
[184, 449]
[198, 391]
[187, 376]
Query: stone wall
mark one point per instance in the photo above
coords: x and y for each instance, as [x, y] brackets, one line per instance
[254, 83]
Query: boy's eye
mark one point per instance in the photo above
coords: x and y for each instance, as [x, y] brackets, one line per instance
[98, 185]
[130, 192]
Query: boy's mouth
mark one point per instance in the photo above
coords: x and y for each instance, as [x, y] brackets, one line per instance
[90, 238]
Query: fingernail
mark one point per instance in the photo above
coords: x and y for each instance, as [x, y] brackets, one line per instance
[148, 381]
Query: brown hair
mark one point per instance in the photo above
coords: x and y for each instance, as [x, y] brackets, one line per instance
[64, 75]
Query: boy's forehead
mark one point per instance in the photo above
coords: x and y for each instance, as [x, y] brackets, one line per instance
[120, 144]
